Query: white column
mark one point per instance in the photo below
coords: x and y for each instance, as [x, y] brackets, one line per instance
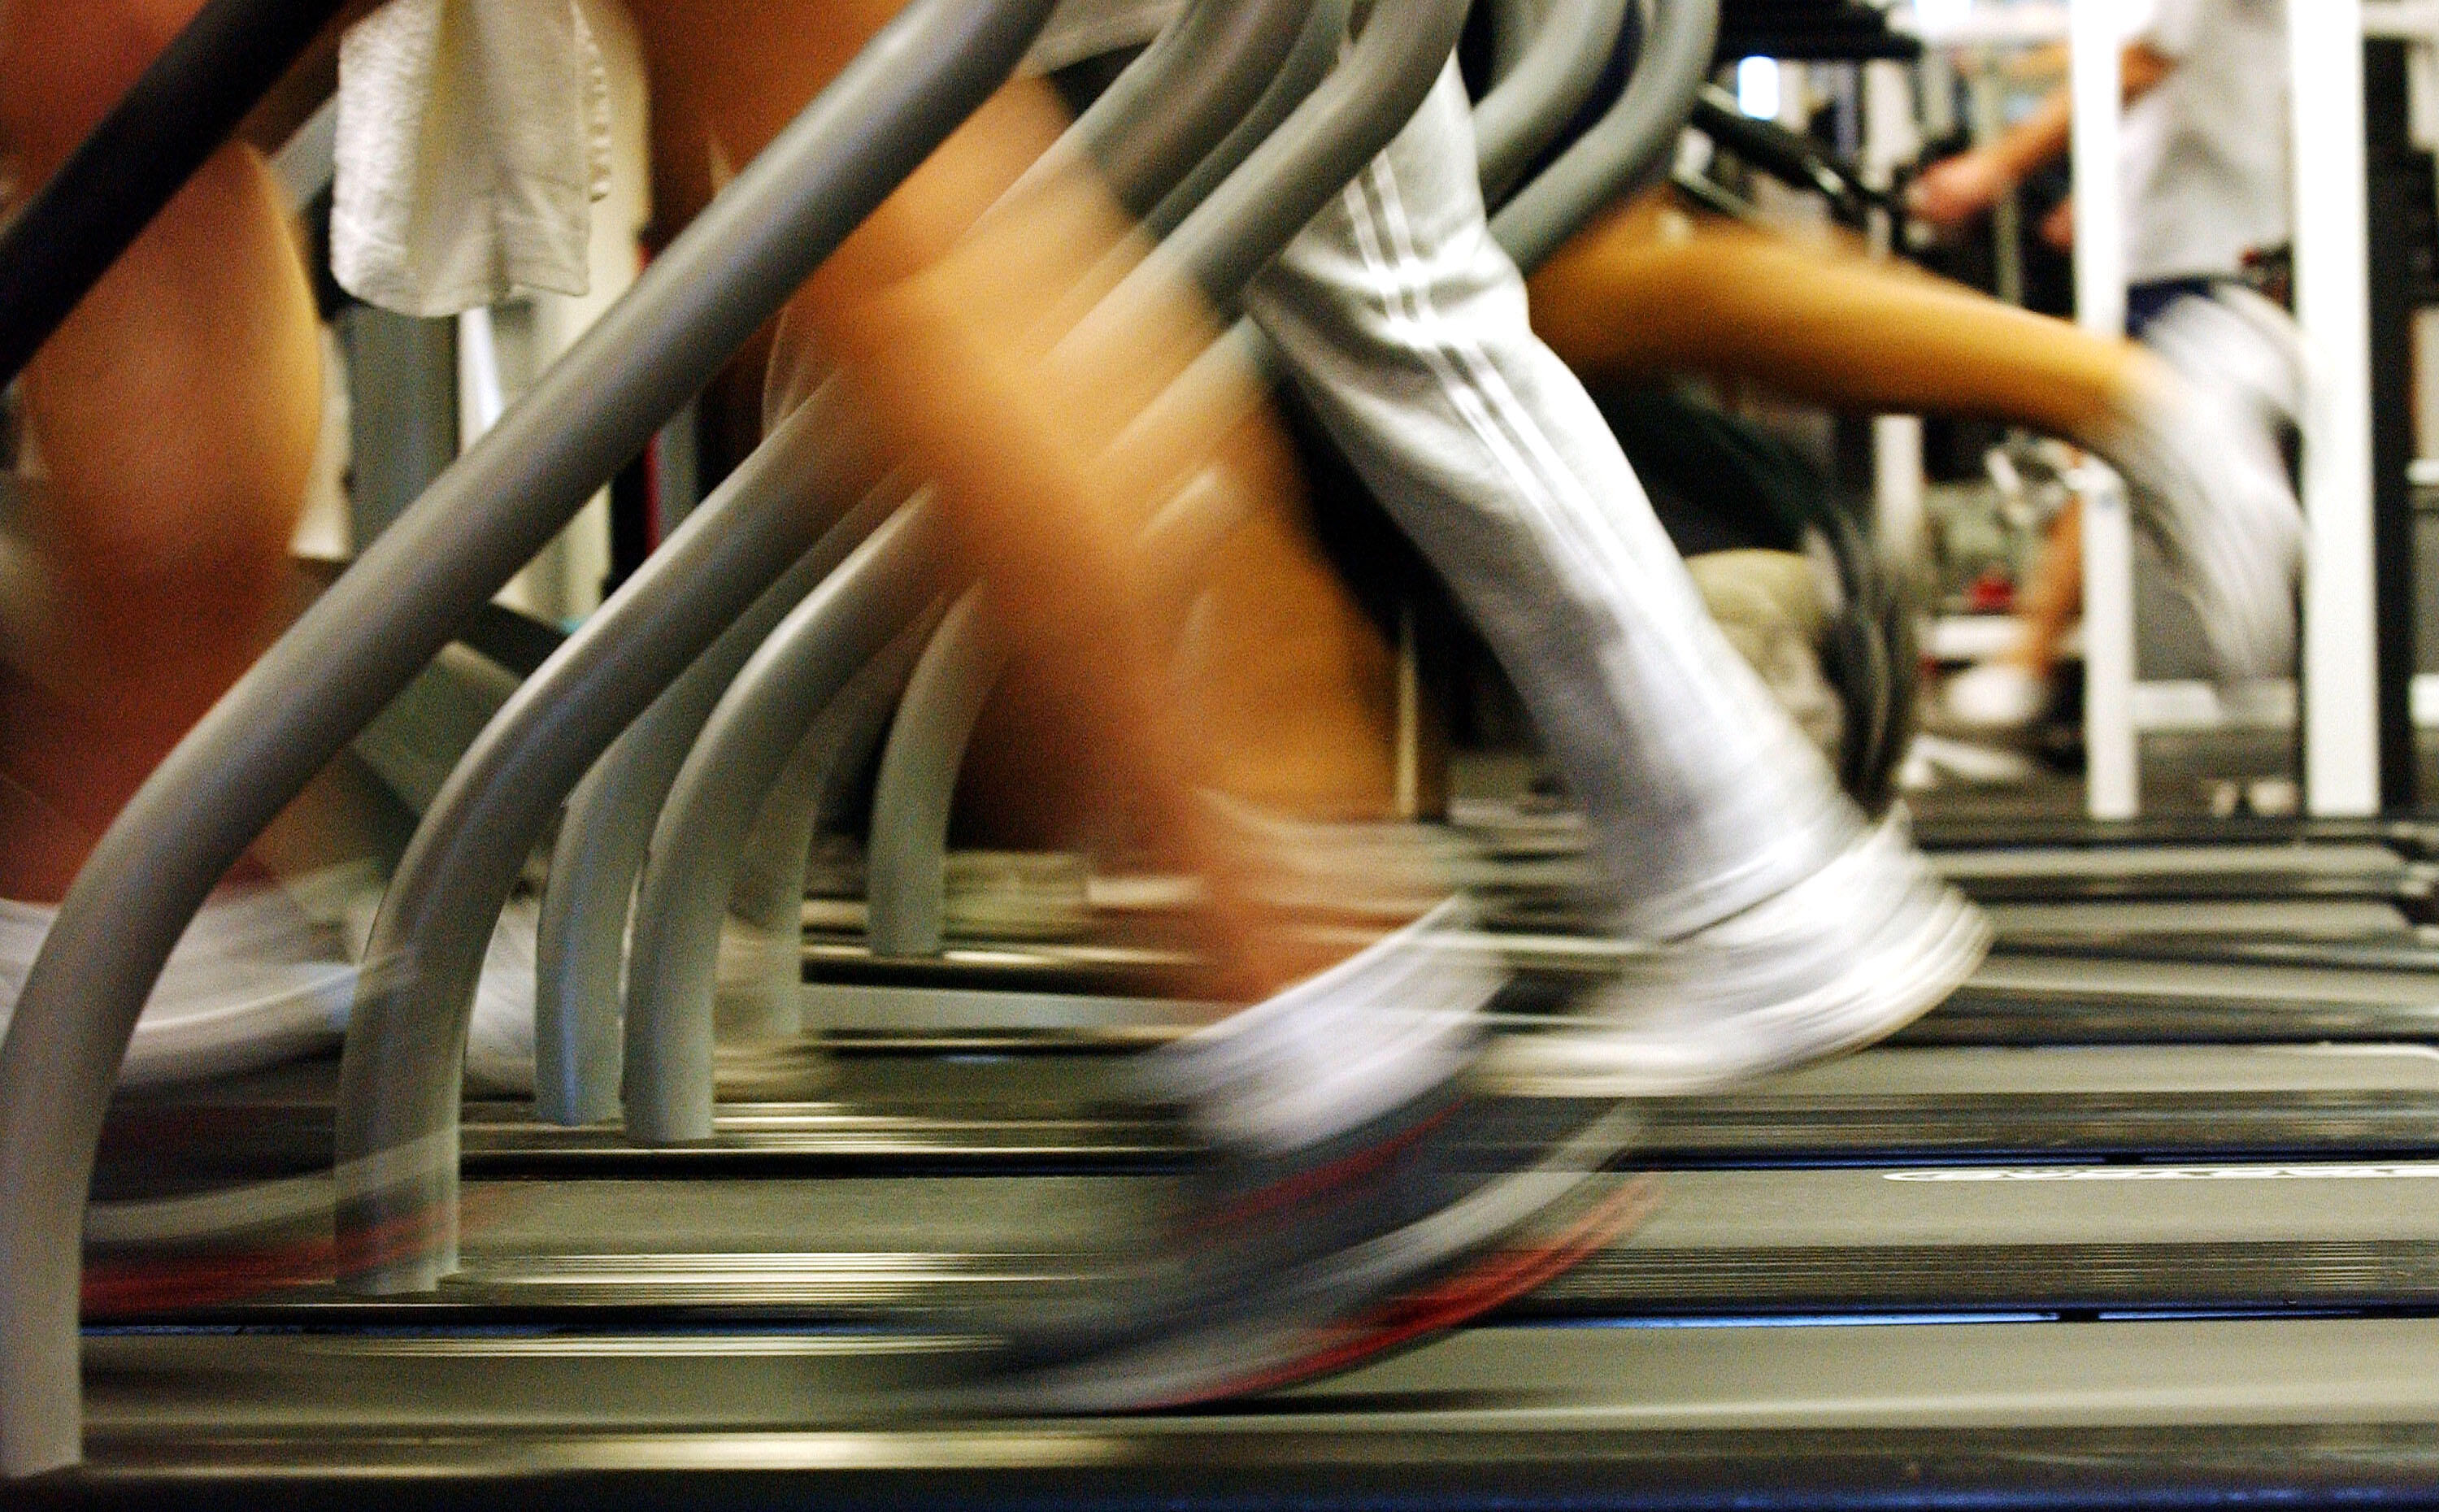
[2113, 782]
[2332, 301]
[1888, 139]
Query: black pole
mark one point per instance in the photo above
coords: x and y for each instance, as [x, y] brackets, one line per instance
[179, 113]
[2398, 176]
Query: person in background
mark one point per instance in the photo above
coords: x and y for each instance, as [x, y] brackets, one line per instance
[2205, 177]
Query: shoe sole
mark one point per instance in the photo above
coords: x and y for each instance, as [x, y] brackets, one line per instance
[1454, 1265]
[1231, 1361]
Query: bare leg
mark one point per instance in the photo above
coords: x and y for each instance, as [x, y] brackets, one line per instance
[174, 415]
[1648, 290]
[2054, 598]
[974, 348]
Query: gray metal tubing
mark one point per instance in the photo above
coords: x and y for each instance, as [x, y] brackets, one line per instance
[1172, 106]
[1248, 218]
[1166, 111]
[404, 1053]
[906, 887]
[581, 943]
[1635, 136]
[818, 782]
[698, 844]
[306, 162]
[1314, 54]
[581, 948]
[353, 650]
[1514, 24]
[906, 864]
[1324, 143]
[1552, 79]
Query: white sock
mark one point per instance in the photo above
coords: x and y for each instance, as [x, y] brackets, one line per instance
[1337, 1050]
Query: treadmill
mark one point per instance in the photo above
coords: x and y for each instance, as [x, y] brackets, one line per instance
[1836, 1295]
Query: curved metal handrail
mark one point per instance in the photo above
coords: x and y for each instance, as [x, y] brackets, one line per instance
[698, 844]
[1550, 81]
[404, 1049]
[1314, 54]
[819, 780]
[1626, 143]
[1327, 138]
[580, 943]
[906, 863]
[347, 655]
[1167, 110]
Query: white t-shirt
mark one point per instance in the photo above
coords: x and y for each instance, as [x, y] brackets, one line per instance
[2205, 153]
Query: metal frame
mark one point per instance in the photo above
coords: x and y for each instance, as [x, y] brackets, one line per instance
[1252, 214]
[2301, 1412]
[818, 782]
[1309, 62]
[1223, 52]
[2114, 785]
[2341, 707]
[405, 1039]
[1546, 85]
[699, 844]
[1185, 95]
[581, 945]
[907, 874]
[1626, 144]
[2332, 304]
[906, 865]
[367, 637]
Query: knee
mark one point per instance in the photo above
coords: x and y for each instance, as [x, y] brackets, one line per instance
[64, 63]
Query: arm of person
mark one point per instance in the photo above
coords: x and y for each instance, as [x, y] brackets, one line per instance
[1962, 188]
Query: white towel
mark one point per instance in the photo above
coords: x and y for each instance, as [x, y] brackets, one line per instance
[473, 137]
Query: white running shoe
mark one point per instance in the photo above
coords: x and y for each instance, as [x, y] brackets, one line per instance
[1359, 1191]
[260, 978]
[1994, 698]
[1859, 949]
[2238, 343]
[253, 982]
[2210, 488]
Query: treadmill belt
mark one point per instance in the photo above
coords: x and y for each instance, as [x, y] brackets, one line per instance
[2262, 1236]
[2313, 918]
[2298, 1413]
[1010, 1115]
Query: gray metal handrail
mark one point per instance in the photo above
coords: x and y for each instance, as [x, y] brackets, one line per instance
[1179, 96]
[1168, 109]
[347, 655]
[1164, 110]
[1626, 144]
[699, 844]
[1548, 81]
[1325, 140]
[906, 864]
[820, 780]
[906, 880]
[580, 938]
[581, 942]
[400, 1073]
[1314, 54]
